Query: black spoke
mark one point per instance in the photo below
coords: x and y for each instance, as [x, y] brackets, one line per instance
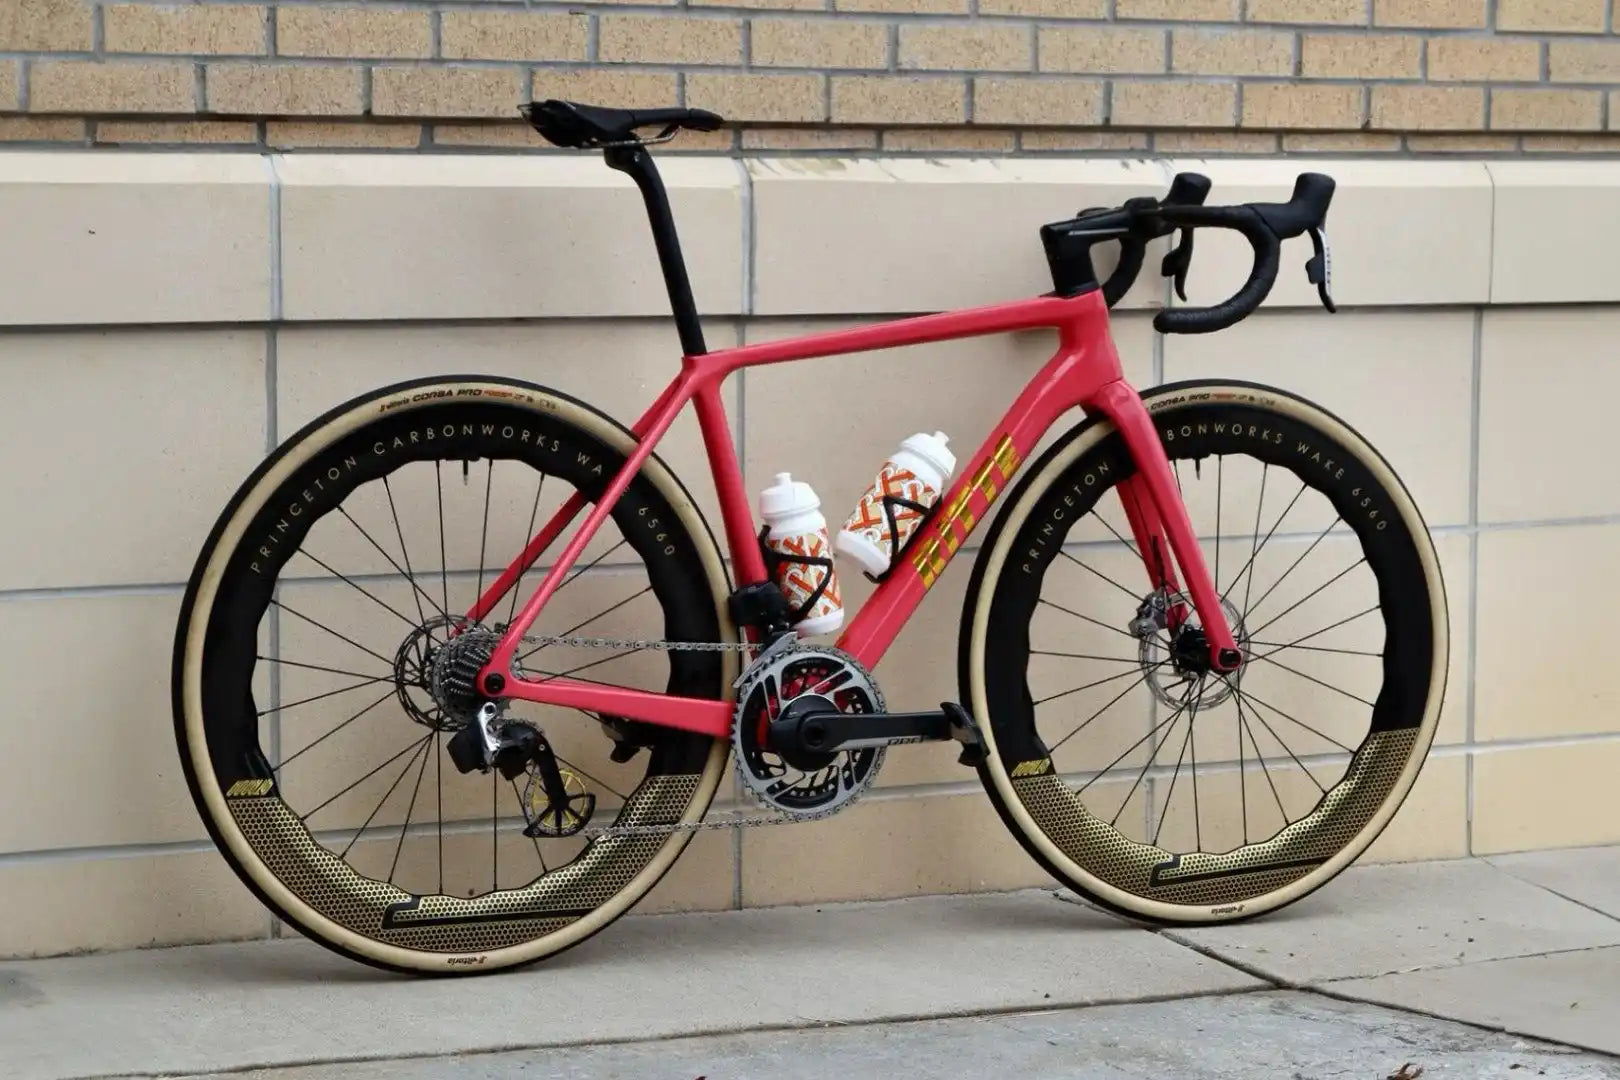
[329, 693]
[408, 748]
[1152, 757]
[1192, 746]
[524, 810]
[1132, 547]
[534, 513]
[1087, 656]
[379, 601]
[581, 625]
[1243, 783]
[1254, 548]
[438, 780]
[570, 580]
[444, 559]
[416, 590]
[1098, 682]
[590, 664]
[1219, 461]
[410, 811]
[329, 630]
[1312, 678]
[420, 746]
[623, 798]
[1295, 644]
[483, 539]
[288, 761]
[1088, 618]
[318, 667]
[1278, 646]
[494, 829]
[1313, 592]
[1099, 573]
[1272, 532]
[1286, 749]
[1322, 536]
[1262, 759]
[1253, 701]
[1112, 701]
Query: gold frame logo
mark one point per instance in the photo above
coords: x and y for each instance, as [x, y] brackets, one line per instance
[938, 550]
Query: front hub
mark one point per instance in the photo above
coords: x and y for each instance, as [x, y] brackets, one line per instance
[1177, 662]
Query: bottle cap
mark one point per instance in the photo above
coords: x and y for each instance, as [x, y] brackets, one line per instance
[933, 449]
[787, 496]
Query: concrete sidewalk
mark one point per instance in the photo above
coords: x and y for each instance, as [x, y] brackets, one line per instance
[1526, 944]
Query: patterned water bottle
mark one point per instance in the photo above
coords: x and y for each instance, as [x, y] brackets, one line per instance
[799, 555]
[908, 485]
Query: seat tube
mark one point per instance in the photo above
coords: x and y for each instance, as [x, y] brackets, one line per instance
[638, 164]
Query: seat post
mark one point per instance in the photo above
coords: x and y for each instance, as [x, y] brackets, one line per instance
[638, 163]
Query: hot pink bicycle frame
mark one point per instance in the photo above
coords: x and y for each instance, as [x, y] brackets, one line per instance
[1085, 371]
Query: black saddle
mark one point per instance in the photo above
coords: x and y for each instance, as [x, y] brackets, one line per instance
[576, 126]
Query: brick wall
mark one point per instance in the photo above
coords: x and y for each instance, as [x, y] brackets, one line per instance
[999, 75]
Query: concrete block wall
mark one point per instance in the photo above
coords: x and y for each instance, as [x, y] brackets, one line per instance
[176, 315]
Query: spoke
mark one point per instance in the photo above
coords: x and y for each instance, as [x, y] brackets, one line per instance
[329, 693]
[1312, 678]
[1139, 681]
[420, 746]
[494, 828]
[1087, 656]
[600, 614]
[444, 559]
[623, 798]
[318, 667]
[408, 748]
[1088, 618]
[1116, 532]
[483, 539]
[517, 585]
[1185, 740]
[1106, 769]
[1192, 745]
[1295, 644]
[288, 761]
[410, 575]
[1262, 759]
[573, 578]
[1255, 554]
[1287, 749]
[1243, 784]
[1134, 596]
[1219, 470]
[1312, 593]
[1322, 536]
[1278, 646]
[438, 780]
[379, 601]
[334, 633]
[593, 663]
[1253, 701]
[523, 809]
[1098, 682]
[409, 812]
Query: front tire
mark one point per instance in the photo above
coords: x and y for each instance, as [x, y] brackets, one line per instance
[1102, 832]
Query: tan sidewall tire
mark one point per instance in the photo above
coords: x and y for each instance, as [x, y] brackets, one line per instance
[207, 581]
[994, 556]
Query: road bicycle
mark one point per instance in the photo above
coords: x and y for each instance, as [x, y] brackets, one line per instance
[1125, 701]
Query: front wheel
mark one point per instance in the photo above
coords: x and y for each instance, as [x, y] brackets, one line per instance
[1137, 777]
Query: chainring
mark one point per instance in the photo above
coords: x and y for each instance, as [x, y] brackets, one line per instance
[787, 675]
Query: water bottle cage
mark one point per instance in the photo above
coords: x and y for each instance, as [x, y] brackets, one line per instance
[774, 560]
[895, 547]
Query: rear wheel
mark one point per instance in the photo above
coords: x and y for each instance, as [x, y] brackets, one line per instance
[318, 619]
[1135, 775]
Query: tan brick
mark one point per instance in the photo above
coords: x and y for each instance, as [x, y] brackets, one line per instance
[780, 5]
[760, 98]
[906, 99]
[1231, 52]
[211, 29]
[966, 47]
[1214, 142]
[286, 134]
[1083, 140]
[1571, 144]
[1057, 102]
[520, 135]
[664, 39]
[1178, 10]
[819, 43]
[702, 142]
[41, 129]
[85, 86]
[445, 91]
[1174, 105]
[1437, 13]
[1103, 50]
[1342, 12]
[1065, 9]
[352, 32]
[1572, 16]
[283, 89]
[1484, 59]
[1583, 61]
[1360, 56]
[1348, 142]
[46, 25]
[1461, 144]
[1546, 110]
[1302, 105]
[177, 132]
[905, 7]
[975, 141]
[512, 35]
[10, 83]
[626, 89]
[1614, 109]
[1417, 108]
[842, 138]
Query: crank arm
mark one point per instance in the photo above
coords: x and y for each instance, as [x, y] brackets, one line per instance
[829, 732]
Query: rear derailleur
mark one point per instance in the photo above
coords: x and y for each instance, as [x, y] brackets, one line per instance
[554, 800]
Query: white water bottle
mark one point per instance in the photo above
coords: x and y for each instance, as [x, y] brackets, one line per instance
[908, 485]
[799, 555]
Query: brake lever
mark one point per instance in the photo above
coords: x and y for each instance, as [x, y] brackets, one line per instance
[1178, 262]
[1319, 269]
